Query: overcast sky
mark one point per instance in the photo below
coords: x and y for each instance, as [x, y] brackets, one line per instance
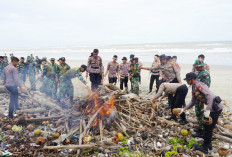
[46, 23]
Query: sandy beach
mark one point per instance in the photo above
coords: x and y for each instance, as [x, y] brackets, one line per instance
[220, 81]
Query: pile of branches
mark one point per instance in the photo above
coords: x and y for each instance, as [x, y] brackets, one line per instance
[138, 128]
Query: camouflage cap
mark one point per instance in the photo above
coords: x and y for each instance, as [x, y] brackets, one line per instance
[199, 63]
[44, 58]
[52, 59]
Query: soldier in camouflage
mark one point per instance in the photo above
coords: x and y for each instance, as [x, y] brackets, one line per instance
[202, 76]
[65, 87]
[37, 64]
[53, 78]
[1, 67]
[44, 70]
[31, 72]
[22, 70]
[134, 76]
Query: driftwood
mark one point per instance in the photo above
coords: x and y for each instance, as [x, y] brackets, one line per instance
[31, 120]
[112, 87]
[224, 138]
[70, 146]
[3, 89]
[45, 102]
[120, 128]
[33, 110]
[62, 138]
[224, 131]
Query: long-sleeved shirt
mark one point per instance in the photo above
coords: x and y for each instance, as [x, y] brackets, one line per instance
[170, 72]
[168, 88]
[134, 69]
[11, 77]
[201, 91]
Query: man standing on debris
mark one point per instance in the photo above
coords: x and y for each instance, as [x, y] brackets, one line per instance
[44, 70]
[65, 87]
[211, 114]
[124, 68]
[170, 74]
[22, 70]
[112, 68]
[202, 57]
[12, 81]
[155, 72]
[31, 71]
[180, 91]
[202, 76]
[95, 70]
[53, 78]
[2, 67]
[134, 76]
[37, 64]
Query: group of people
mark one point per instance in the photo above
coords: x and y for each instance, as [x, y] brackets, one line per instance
[56, 83]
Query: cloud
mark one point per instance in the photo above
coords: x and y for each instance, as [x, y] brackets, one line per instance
[41, 23]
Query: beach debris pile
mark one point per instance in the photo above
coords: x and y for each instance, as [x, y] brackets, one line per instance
[109, 122]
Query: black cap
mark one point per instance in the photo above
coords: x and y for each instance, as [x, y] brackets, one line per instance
[132, 56]
[124, 58]
[163, 57]
[22, 58]
[95, 51]
[136, 58]
[201, 56]
[169, 57]
[115, 56]
[157, 55]
[43, 60]
[132, 59]
[59, 59]
[190, 76]
[174, 57]
[62, 58]
[84, 66]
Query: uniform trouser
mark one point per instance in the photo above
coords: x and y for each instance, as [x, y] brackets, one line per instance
[199, 110]
[113, 80]
[152, 79]
[95, 79]
[123, 80]
[65, 88]
[135, 85]
[22, 77]
[2, 75]
[170, 96]
[209, 128]
[52, 87]
[13, 99]
[179, 99]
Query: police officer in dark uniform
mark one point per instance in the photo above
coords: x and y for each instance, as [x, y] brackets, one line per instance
[95, 70]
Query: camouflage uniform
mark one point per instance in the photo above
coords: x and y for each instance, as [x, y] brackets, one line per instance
[45, 80]
[202, 76]
[65, 87]
[22, 71]
[2, 66]
[37, 66]
[134, 69]
[52, 80]
[31, 72]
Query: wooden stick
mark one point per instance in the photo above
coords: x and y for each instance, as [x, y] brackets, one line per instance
[120, 128]
[101, 130]
[224, 138]
[62, 138]
[70, 146]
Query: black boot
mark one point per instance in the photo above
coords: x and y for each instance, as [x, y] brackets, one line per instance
[197, 130]
[172, 118]
[202, 148]
[199, 134]
[183, 122]
[210, 145]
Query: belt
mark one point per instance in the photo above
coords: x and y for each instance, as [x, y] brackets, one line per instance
[95, 67]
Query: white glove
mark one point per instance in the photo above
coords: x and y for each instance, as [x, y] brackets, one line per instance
[207, 113]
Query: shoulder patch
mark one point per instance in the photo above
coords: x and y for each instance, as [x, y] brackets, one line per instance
[199, 87]
[170, 65]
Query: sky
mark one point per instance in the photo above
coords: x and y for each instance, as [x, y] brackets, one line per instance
[58, 23]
